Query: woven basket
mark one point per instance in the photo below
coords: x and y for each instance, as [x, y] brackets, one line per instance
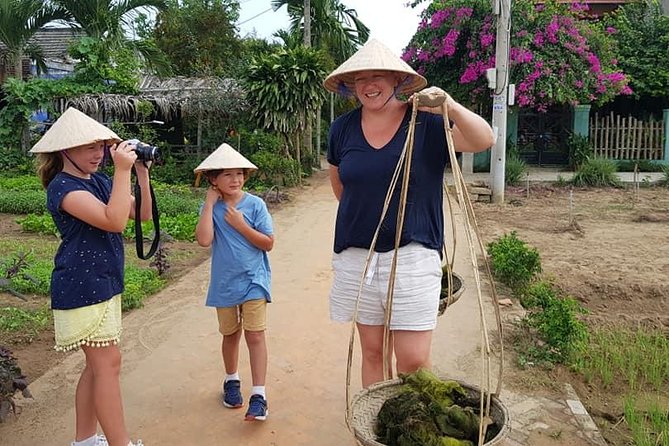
[367, 404]
[458, 288]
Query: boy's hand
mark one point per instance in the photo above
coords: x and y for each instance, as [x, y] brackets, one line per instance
[212, 196]
[235, 218]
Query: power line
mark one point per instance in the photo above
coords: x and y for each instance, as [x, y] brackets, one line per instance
[255, 16]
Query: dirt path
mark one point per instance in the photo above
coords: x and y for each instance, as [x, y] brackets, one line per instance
[172, 368]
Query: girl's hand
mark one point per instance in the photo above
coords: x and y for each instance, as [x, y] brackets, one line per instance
[234, 218]
[123, 155]
[142, 165]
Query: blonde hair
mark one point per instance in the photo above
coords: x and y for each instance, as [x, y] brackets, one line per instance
[48, 165]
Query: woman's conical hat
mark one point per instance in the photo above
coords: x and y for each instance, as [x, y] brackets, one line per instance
[73, 129]
[225, 157]
[373, 56]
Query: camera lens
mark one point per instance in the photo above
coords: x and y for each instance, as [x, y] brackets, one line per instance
[146, 152]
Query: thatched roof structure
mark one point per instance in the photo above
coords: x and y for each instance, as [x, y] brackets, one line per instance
[187, 97]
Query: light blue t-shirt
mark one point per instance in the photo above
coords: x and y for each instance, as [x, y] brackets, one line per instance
[239, 270]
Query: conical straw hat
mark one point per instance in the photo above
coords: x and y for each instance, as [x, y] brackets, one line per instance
[73, 129]
[225, 157]
[373, 56]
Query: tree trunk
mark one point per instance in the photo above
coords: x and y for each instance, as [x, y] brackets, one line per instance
[18, 74]
[317, 157]
[308, 136]
[299, 158]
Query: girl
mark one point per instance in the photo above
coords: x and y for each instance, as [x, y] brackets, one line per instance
[90, 211]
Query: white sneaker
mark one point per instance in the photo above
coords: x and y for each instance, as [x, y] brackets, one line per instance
[100, 440]
[139, 443]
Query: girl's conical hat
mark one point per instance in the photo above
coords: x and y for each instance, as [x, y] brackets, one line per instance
[73, 129]
[373, 56]
[225, 157]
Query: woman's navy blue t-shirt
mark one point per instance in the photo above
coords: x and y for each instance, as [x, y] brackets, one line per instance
[366, 173]
[89, 262]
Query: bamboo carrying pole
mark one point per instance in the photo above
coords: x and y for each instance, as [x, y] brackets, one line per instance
[432, 97]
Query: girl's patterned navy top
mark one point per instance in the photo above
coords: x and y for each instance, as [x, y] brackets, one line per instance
[89, 263]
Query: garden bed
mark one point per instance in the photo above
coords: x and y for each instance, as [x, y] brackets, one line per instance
[608, 249]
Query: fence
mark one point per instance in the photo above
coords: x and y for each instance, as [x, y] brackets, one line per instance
[617, 137]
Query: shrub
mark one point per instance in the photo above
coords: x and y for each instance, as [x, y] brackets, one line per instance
[596, 172]
[22, 201]
[579, 150]
[27, 323]
[665, 179]
[177, 166]
[139, 283]
[15, 160]
[11, 380]
[180, 227]
[556, 320]
[515, 170]
[273, 169]
[536, 295]
[21, 182]
[35, 278]
[641, 165]
[175, 204]
[40, 224]
[513, 262]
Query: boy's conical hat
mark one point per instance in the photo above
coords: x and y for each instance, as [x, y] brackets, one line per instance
[73, 129]
[225, 157]
[374, 56]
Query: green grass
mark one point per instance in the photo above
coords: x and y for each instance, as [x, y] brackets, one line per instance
[639, 358]
[41, 248]
[16, 320]
[650, 425]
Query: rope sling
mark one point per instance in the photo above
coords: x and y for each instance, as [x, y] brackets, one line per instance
[433, 97]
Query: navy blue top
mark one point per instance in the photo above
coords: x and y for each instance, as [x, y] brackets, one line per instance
[366, 174]
[89, 262]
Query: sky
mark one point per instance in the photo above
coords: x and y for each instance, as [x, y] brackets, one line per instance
[389, 21]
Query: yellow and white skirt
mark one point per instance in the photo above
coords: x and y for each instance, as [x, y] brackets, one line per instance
[96, 325]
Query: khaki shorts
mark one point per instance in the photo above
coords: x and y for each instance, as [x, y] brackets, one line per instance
[251, 315]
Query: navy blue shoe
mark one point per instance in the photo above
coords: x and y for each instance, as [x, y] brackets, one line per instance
[257, 409]
[232, 395]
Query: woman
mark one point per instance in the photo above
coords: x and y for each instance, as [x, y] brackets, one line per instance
[363, 152]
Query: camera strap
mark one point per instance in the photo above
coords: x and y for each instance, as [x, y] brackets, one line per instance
[139, 239]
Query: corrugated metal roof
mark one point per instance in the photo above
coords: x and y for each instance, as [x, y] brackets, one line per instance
[53, 41]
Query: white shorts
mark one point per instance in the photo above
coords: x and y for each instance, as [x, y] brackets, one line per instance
[416, 290]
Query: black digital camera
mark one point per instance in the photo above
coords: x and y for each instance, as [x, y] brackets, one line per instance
[146, 152]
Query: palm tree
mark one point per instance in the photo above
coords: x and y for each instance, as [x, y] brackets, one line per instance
[334, 27]
[19, 21]
[288, 85]
[107, 20]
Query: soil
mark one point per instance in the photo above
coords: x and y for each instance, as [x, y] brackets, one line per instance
[35, 350]
[608, 248]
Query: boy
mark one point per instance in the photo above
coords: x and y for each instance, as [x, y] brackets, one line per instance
[238, 227]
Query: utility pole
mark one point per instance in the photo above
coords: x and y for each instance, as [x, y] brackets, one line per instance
[499, 82]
